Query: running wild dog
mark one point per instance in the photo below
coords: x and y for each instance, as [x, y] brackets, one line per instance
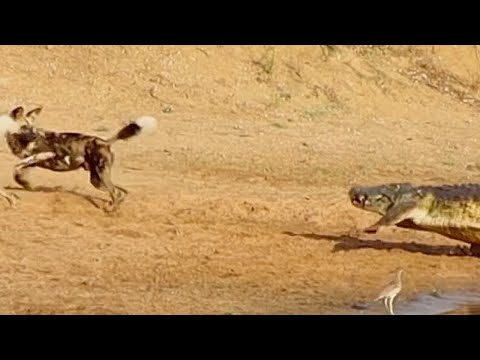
[65, 151]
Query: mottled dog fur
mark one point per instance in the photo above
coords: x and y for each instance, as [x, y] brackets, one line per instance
[66, 151]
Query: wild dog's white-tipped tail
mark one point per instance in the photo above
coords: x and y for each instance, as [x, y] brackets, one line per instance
[7, 124]
[143, 125]
[148, 124]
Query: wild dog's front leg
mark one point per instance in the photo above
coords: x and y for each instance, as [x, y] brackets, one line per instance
[19, 176]
[22, 166]
[396, 214]
[11, 198]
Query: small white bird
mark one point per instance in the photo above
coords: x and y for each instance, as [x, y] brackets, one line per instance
[389, 293]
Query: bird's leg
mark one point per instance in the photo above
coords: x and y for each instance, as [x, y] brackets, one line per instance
[391, 306]
[385, 302]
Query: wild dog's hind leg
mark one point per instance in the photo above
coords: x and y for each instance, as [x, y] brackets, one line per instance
[112, 159]
[100, 178]
[22, 166]
[122, 189]
[117, 194]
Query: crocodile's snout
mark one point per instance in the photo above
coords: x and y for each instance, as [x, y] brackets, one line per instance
[356, 198]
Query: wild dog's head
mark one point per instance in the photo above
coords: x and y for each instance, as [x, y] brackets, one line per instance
[19, 116]
[17, 121]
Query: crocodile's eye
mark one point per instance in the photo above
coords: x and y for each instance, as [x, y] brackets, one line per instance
[393, 187]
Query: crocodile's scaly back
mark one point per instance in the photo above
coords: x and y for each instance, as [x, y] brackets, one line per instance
[459, 191]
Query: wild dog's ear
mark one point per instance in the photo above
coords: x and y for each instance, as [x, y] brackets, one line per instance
[17, 113]
[32, 114]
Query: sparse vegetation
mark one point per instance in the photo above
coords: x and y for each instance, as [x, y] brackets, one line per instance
[279, 125]
[328, 51]
[265, 64]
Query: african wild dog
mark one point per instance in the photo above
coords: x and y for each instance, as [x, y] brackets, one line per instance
[66, 151]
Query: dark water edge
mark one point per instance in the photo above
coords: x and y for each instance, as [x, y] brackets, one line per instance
[459, 303]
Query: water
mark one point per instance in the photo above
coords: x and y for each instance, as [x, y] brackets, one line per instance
[461, 303]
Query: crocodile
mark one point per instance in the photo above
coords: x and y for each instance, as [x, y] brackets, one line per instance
[450, 210]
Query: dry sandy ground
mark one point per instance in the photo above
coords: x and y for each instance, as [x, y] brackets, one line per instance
[238, 204]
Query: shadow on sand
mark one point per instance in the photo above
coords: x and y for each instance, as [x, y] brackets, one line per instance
[94, 200]
[348, 243]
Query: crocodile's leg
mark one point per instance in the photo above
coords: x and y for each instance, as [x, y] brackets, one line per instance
[396, 214]
[475, 249]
